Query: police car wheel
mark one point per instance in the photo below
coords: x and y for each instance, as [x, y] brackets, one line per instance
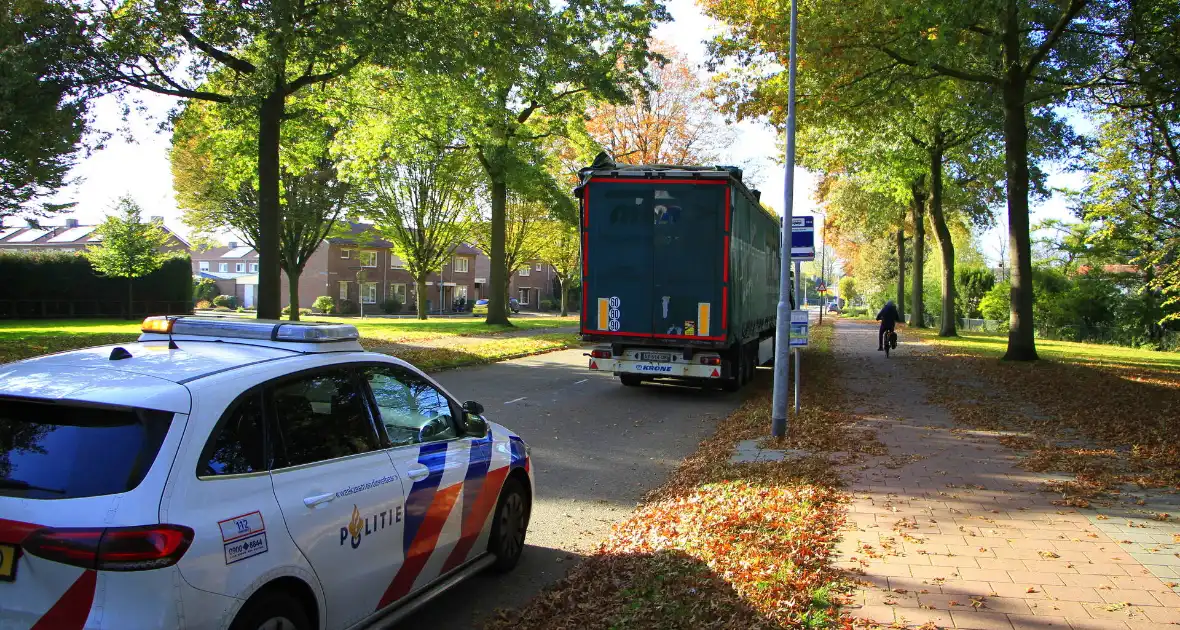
[272, 610]
[509, 527]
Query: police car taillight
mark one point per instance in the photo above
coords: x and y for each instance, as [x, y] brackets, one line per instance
[111, 548]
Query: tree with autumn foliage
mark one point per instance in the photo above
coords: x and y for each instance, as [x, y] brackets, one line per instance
[1026, 54]
[673, 122]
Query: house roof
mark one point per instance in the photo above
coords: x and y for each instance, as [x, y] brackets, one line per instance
[60, 235]
[360, 234]
[240, 253]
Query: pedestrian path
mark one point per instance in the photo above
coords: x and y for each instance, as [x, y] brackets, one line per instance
[946, 531]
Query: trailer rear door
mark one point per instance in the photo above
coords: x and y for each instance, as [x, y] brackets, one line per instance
[655, 258]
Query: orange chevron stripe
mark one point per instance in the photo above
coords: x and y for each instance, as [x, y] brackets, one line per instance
[473, 526]
[423, 545]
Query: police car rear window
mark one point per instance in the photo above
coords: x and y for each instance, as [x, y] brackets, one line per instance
[62, 451]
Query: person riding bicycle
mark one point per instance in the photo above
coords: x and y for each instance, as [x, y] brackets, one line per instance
[888, 317]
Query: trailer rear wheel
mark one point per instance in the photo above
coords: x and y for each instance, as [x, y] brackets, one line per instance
[631, 380]
[737, 370]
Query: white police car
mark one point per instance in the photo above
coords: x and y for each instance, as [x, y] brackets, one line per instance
[244, 475]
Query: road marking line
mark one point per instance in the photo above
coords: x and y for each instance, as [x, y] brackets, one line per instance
[581, 381]
[515, 400]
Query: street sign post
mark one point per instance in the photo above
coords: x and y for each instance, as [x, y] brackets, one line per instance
[803, 238]
[782, 349]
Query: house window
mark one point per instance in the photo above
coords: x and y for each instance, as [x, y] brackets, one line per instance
[368, 258]
[461, 292]
[346, 253]
[539, 267]
[223, 267]
[240, 267]
[344, 289]
[369, 293]
[398, 291]
[396, 262]
[253, 267]
[524, 272]
[460, 265]
[524, 296]
[204, 265]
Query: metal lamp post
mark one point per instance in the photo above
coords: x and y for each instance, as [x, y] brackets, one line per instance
[782, 336]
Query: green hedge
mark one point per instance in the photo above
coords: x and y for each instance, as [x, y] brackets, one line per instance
[55, 284]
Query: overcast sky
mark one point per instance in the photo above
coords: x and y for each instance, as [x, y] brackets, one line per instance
[140, 167]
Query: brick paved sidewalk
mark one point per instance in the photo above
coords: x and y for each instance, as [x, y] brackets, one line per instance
[947, 532]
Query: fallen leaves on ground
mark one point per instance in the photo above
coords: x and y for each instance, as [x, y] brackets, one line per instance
[1129, 408]
[723, 545]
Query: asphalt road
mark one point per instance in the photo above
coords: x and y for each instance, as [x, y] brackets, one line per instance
[596, 446]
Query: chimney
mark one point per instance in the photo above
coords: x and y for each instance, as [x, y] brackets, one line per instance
[233, 244]
[71, 223]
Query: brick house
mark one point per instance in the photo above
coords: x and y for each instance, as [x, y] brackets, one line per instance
[333, 271]
[533, 283]
[233, 268]
[70, 237]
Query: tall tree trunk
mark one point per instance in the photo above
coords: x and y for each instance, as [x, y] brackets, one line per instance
[1021, 342]
[498, 300]
[918, 208]
[270, 121]
[420, 284]
[901, 271]
[293, 290]
[943, 234]
[565, 292]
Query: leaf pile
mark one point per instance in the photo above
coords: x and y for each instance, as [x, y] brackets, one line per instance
[1128, 407]
[723, 545]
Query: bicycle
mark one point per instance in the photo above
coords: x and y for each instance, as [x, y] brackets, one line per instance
[890, 341]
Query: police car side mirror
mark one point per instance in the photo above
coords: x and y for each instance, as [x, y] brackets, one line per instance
[473, 423]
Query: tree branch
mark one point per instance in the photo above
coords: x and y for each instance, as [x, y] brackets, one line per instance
[226, 59]
[309, 79]
[941, 69]
[1075, 7]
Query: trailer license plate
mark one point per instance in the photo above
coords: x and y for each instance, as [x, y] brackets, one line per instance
[655, 357]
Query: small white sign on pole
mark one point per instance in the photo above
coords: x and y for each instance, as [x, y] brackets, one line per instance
[799, 329]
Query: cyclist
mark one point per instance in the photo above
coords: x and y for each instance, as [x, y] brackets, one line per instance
[888, 317]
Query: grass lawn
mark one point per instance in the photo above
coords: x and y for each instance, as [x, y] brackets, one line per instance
[395, 330]
[1092, 354]
[21, 339]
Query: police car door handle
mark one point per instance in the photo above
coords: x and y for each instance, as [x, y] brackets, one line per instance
[311, 502]
[418, 472]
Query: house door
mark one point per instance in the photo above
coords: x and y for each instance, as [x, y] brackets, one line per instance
[248, 295]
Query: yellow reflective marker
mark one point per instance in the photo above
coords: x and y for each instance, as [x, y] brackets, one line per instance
[703, 319]
[603, 313]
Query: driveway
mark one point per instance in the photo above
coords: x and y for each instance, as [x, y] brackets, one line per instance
[597, 447]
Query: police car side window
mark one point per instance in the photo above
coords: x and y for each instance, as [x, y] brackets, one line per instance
[410, 408]
[237, 447]
[320, 416]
